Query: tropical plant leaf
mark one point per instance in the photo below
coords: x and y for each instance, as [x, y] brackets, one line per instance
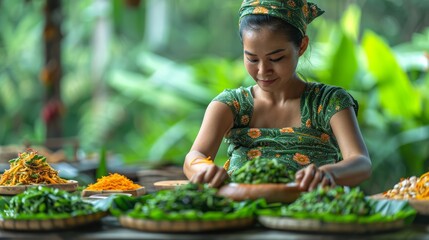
[396, 93]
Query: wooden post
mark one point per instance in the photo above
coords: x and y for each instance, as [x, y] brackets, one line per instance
[51, 74]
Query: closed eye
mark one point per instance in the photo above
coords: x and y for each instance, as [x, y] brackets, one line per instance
[252, 60]
[277, 59]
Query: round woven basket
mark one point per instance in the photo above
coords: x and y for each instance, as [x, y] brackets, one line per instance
[314, 225]
[51, 224]
[184, 226]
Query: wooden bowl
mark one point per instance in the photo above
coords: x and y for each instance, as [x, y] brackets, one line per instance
[171, 184]
[70, 186]
[420, 205]
[135, 193]
[271, 192]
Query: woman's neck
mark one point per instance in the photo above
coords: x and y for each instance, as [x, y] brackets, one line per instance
[291, 90]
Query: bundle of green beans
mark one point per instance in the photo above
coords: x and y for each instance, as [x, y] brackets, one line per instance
[263, 170]
[336, 201]
[44, 201]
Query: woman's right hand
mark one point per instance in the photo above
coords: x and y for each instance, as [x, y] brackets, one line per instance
[310, 177]
[214, 175]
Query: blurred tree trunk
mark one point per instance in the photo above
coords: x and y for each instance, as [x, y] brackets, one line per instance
[157, 24]
[100, 58]
[52, 72]
[100, 48]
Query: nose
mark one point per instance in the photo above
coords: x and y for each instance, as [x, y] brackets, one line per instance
[264, 68]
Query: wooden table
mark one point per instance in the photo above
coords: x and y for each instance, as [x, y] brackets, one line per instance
[109, 228]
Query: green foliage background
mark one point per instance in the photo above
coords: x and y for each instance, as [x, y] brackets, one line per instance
[155, 90]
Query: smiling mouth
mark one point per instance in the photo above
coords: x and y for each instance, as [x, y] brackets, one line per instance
[266, 80]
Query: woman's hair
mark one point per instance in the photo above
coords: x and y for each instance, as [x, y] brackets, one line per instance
[258, 21]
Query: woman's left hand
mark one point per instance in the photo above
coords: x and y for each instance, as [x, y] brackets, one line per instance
[310, 177]
[214, 175]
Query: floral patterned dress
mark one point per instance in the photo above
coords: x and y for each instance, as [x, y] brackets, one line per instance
[297, 147]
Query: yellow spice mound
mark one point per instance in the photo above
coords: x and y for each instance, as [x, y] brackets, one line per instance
[113, 181]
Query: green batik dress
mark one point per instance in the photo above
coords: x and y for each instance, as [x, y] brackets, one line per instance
[297, 147]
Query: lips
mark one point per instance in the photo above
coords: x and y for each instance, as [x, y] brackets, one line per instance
[267, 81]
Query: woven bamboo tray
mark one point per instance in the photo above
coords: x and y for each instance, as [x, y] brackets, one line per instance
[70, 186]
[313, 225]
[50, 224]
[184, 226]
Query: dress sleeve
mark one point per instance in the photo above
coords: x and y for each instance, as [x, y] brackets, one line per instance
[227, 97]
[334, 100]
[323, 102]
[239, 103]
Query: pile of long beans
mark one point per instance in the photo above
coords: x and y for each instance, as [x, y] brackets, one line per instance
[263, 170]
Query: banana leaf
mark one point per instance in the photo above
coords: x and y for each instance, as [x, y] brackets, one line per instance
[116, 204]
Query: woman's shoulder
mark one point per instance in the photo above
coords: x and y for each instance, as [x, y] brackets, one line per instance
[239, 91]
[321, 88]
[240, 101]
[324, 91]
[330, 96]
[234, 94]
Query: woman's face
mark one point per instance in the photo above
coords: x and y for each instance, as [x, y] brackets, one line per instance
[270, 58]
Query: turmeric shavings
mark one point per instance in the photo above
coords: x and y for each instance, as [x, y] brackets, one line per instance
[113, 181]
[422, 187]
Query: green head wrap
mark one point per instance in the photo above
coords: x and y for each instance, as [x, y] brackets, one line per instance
[298, 13]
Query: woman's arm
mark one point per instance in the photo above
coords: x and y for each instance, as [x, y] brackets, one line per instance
[356, 164]
[217, 121]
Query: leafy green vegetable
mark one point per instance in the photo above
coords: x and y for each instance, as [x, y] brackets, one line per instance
[3, 203]
[42, 202]
[262, 170]
[186, 202]
[344, 205]
[332, 201]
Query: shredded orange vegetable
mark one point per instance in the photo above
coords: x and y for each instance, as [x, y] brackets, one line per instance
[422, 186]
[410, 188]
[28, 169]
[113, 181]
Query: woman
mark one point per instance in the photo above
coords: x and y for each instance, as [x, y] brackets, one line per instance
[310, 127]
